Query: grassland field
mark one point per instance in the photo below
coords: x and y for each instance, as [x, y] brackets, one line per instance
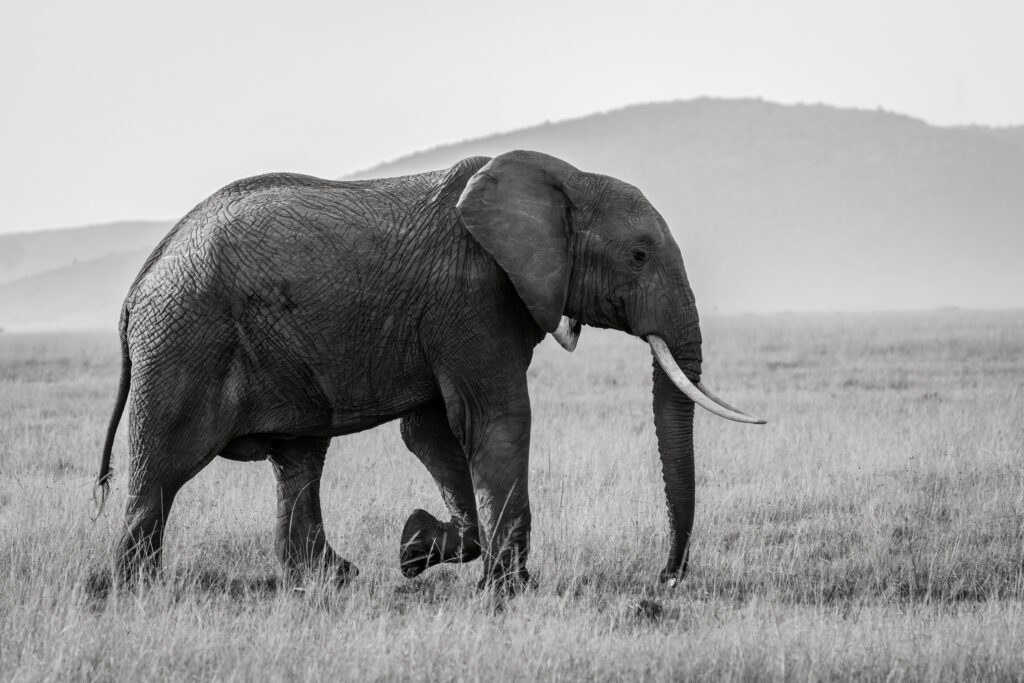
[874, 529]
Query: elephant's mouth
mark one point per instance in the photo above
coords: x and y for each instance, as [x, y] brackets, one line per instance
[697, 393]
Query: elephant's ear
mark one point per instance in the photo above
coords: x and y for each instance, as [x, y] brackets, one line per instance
[518, 209]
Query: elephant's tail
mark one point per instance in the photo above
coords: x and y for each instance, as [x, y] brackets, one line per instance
[102, 488]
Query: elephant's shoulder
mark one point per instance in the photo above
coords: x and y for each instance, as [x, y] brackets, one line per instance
[468, 166]
[453, 179]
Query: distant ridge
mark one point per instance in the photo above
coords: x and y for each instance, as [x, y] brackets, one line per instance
[806, 207]
[776, 208]
[1012, 134]
[84, 295]
[28, 253]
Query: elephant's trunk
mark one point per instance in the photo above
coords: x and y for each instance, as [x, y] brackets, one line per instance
[675, 394]
[673, 423]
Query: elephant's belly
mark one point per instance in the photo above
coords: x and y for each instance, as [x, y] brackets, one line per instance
[351, 423]
[254, 447]
[247, 448]
[396, 403]
[324, 388]
[382, 396]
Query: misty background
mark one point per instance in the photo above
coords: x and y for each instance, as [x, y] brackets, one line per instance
[808, 156]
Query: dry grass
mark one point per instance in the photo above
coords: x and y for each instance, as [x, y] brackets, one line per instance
[874, 529]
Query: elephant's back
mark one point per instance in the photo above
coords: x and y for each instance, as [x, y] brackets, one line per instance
[282, 242]
[290, 224]
[262, 223]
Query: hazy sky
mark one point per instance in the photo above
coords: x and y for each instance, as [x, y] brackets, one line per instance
[117, 110]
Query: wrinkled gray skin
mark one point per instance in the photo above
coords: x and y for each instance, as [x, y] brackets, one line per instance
[285, 310]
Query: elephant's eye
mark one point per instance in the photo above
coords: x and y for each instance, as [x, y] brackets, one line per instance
[639, 256]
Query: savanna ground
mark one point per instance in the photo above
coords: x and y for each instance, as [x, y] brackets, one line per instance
[873, 529]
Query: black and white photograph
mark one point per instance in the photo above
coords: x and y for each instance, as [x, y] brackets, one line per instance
[535, 341]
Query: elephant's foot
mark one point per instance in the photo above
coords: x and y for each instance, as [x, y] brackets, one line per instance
[138, 561]
[314, 557]
[139, 549]
[505, 565]
[507, 582]
[427, 541]
[672, 578]
[331, 566]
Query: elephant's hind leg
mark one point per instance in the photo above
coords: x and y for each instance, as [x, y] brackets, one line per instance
[141, 543]
[427, 541]
[156, 476]
[301, 543]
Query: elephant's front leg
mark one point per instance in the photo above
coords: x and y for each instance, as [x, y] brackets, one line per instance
[427, 541]
[499, 463]
[301, 543]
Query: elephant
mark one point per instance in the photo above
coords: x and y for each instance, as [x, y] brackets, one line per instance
[286, 310]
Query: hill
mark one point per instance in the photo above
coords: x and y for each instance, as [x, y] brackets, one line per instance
[776, 208]
[29, 253]
[806, 207]
[72, 278]
[83, 295]
[1012, 134]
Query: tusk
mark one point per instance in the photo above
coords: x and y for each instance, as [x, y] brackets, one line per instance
[671, 368]
[707, 392]
[568, 333]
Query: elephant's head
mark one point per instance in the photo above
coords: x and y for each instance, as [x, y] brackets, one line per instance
[593, 249]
